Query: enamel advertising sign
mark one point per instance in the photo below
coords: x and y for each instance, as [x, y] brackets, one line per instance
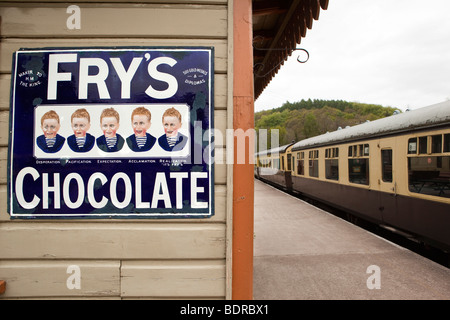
[111, 133]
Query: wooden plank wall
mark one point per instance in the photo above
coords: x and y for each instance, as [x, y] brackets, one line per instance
[117, 259]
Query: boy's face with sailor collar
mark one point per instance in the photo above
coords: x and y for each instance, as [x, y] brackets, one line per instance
[109, 126]
[80, 126]
[140, 124]
[171, 126]
[50, 127]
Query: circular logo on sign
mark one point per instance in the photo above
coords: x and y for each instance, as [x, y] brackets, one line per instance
[195, 76]
[30, 78]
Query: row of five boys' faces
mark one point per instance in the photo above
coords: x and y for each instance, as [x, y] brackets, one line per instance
[171, 140]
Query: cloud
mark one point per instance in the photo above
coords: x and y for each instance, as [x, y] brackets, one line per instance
[393, 53]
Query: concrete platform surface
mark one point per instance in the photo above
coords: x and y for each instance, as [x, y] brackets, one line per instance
[302, 252]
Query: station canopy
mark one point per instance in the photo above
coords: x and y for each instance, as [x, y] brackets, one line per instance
[278, 27]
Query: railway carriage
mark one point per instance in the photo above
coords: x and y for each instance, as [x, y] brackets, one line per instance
[393, 171]
[273, 164]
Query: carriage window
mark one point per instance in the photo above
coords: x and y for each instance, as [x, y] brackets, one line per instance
[429, 175]
[357, 150]
[289, 160]
[447, 142]
[386, 165]
[358, 164]
[332, 163]
[366, 149]
[282, 163]
[314, 163]
[436, 144]
[423, 145]
[301, 163]
[412, 146]
[314, 168]
[358, 170]
[301, 167]
[276, 163]
[332, 169]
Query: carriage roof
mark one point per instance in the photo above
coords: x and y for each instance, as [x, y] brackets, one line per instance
[427, 117]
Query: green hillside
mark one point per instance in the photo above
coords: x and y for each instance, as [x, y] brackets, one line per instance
[308, 118]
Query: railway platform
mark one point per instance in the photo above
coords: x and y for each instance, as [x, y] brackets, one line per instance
[302, 252]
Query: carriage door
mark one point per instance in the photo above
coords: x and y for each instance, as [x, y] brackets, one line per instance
[386, 181]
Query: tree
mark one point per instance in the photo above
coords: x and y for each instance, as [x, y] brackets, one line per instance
[308, 118]
[311, 126]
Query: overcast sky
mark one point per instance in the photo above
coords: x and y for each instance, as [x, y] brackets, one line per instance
[390, 52]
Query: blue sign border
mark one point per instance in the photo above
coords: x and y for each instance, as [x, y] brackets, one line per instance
[181, 182]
